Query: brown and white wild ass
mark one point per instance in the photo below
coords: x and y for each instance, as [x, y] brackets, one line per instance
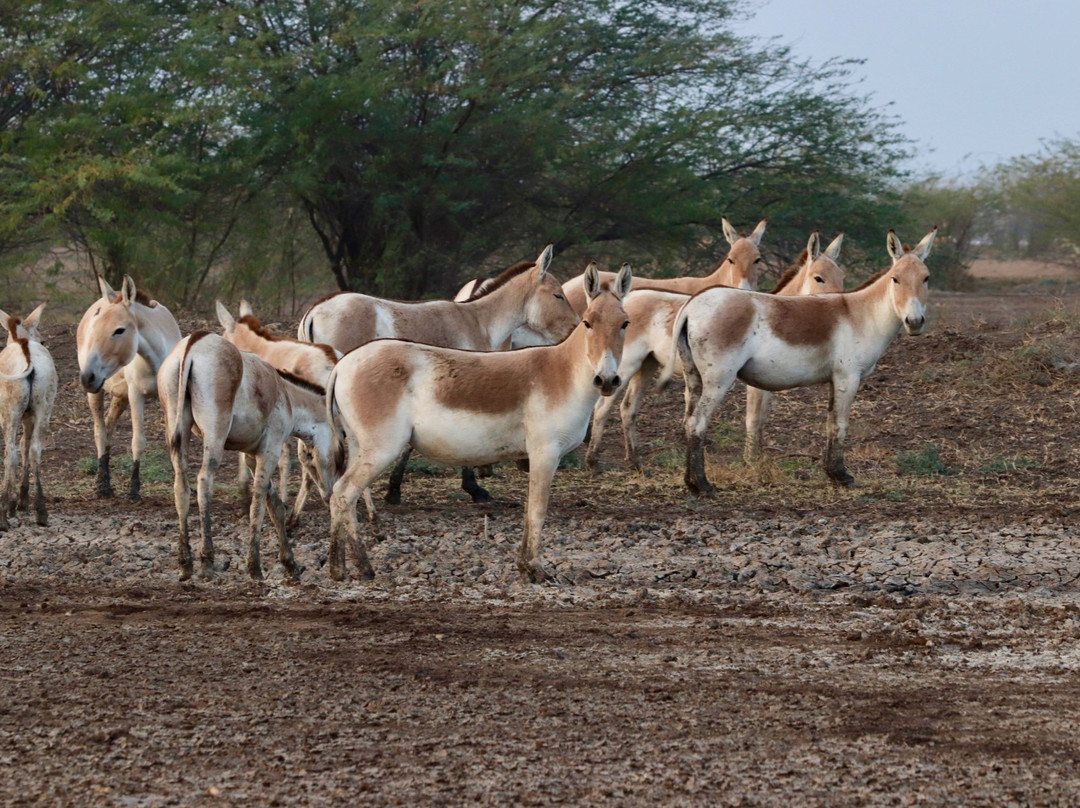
[237, 401]
[27, 391]
[464, 407]
[740, 269]
[526, 294]
[122, 340]
[311, 362]
[777, 343]
[648, 343]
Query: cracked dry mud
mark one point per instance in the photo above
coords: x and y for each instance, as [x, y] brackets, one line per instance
[910, 642]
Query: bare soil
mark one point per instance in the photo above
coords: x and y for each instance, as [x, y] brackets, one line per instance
[912, 641]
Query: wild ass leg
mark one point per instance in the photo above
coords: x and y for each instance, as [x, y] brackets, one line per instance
[243, 478]
[541, 472]
[24, 462]
[471, 487]
[393, 487]
[308, 476]
[11, 457]
[596, 431]
[182, 498]
[343, 524]
[697, 425]
[628, 412]
[757, 410]
[104, 423]
[261, 485]
[32, 442]
[841, 396]
[138, 439]
[205, 492]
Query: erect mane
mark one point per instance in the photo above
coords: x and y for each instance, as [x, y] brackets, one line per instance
[791, 272]
[870, 280]
[302, 383]
[501, 279]
[256, 326]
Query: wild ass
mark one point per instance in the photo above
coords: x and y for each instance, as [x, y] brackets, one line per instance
[311, 362]
[235, 400]
[464, 407]
[648, 344]
[122, 340]
[27, 391]
[777, 343]
[526, 294]
[739, 269]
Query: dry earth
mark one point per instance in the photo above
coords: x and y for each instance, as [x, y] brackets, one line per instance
[909, 642]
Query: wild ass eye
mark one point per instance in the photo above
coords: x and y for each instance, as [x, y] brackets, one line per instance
[624, 325]
[896, 280]
[758, 260]
[587, 324]
[119, 331]
[819, 279]
[559, 297]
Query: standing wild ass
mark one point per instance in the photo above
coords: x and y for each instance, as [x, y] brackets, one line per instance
[27, 392]
[648, 344]
[526, 294]
[464, 407]
[740, 269]
[311, 362]
[236, 401]
[777, 343]
[122, 340]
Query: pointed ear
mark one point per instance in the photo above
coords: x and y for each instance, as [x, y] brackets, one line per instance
[5, 320]
[730, 233]
[246, 310]
[32, 321]
[592, 281]
[895, 246]
[543, 262]
[226, 319]
[813, 247]
[759, 231]
[623, 281]
[922, 249]
[833, 250]
[107, 292]
[127, 289]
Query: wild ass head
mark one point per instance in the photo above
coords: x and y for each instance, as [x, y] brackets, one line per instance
[744, 258]
[108, 334]
[823, 269]
[546, 310]
[605, 326]
[909, 282]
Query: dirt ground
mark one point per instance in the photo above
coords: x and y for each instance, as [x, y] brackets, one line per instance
[912, 641]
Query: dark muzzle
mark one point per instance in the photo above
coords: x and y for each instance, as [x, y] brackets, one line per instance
[607, 386]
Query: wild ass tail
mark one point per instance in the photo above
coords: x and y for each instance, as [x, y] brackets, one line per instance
[337, 446]
[23, 342]
[177, 437]
[678, 336]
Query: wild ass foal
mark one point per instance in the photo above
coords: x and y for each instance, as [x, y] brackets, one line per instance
[739, 269]
[27, 392]
[776, 343]
[464, 407]
[648, 344]
[311, 362]
[122, 340]
[236, 401]
[526, 294]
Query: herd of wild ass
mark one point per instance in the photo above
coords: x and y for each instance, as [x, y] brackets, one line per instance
[518, 367]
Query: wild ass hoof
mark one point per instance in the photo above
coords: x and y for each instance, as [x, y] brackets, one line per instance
[700, 487]
[843, 479]
[480, 495]
[393, 496]
[534, 572]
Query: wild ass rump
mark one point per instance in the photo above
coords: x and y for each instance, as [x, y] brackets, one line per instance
[235, 400]
[462, 407]
[776, 343]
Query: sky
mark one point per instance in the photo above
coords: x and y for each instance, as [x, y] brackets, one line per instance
[973, 82]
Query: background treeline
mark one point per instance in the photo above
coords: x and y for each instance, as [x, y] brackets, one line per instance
[285, 148]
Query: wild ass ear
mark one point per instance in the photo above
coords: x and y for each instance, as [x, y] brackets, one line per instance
[107, 292]
[592, 281]
[759, 231]
[226, 319]
[32, 321]
[623, 281]
[895, 246]
[730, 233]
[543, 263]
[813, 247]
[246, 310]
[833, 250]
[127, 289]
[5, 320]
[922, 249]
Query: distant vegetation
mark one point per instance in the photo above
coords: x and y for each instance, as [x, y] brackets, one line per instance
[284, 148]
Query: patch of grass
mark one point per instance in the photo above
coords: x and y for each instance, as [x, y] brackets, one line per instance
[925, 462]
[155, 466]
[418, 464]
[669, 458]
[1005, 465]
[572, 460]
[727, 435]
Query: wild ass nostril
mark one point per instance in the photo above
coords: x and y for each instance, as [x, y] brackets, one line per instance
[616, 382]
[597, 381]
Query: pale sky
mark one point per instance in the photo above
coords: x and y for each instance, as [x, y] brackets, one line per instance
[974, 82]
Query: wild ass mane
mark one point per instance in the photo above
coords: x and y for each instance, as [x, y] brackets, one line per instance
[255, 324]
[501, 279]
[791, 272]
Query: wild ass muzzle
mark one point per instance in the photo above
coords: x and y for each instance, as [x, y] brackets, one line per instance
[461, 407]
[311, 362]
[122, 340]
[28, 387]
[776, 343]
[739, 269]
[235, 400]
[526, 294]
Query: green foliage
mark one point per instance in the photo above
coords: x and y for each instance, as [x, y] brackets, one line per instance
[926, 462]
[1007, 465]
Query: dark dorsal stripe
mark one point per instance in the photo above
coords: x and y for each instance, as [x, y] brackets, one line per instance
[502, 279]
[256, 326]
[302, 383]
